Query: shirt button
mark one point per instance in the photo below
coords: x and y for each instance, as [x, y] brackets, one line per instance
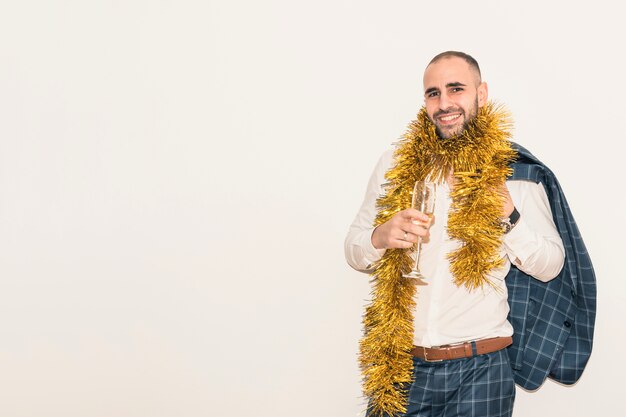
[567, 324]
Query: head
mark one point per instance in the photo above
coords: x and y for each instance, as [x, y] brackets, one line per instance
[453, 92]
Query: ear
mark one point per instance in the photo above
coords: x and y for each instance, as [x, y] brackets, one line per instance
[483, 94]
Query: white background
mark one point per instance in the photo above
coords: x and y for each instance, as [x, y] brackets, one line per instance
[177, 177]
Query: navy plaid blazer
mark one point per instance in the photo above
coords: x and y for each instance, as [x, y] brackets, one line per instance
[553, 322]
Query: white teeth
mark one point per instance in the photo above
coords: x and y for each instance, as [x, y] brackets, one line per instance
[448, 118]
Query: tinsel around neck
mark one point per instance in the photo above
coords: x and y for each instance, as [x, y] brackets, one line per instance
[477, 161]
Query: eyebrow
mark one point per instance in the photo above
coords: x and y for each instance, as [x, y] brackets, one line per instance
[453, 84]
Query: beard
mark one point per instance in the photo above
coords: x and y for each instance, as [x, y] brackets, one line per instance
[468, 118]
[444, 136]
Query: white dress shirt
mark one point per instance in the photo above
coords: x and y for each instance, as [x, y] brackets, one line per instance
[445, 313]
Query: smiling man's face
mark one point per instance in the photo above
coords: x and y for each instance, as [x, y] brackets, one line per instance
[453, 92]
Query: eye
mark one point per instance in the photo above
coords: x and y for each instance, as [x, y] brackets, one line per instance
[432, 94]
[456, 89]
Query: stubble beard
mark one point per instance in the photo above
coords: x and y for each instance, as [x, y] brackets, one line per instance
[473, 112]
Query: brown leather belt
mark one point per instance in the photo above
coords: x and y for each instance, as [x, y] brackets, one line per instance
[461, 350]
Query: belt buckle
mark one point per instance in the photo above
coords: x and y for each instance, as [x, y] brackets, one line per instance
[429, 360]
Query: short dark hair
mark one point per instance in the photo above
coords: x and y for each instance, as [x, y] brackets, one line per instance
[467, 58]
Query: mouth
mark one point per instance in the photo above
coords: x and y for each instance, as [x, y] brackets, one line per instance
[448, 119]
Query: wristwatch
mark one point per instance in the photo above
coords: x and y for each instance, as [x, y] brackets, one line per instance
[509, 223]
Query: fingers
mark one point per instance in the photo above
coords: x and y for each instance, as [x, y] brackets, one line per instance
[412, 214]
[402, 230]
[416, 232]
[416, 223]
[405, 241]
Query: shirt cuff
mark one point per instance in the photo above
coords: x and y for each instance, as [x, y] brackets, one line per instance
[369, 251]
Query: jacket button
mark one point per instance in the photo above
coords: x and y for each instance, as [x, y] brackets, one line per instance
[567, 324]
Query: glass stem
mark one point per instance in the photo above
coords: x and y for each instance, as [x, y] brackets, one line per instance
[417, 255]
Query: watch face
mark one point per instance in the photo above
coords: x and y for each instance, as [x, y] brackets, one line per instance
[506, 225]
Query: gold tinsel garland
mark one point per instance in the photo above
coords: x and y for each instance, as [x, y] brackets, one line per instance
[479, 160]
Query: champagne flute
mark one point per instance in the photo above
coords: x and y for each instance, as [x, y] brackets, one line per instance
[424, 194]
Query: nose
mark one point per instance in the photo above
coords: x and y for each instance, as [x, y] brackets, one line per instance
[444, 101]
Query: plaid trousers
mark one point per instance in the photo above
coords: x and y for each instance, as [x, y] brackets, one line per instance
[481, 386]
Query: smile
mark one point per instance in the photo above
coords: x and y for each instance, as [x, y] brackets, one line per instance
[449, 118]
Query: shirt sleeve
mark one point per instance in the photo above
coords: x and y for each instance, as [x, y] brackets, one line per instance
[534, 245]
[359, 251]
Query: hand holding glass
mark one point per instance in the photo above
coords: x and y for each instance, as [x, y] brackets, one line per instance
[423, 200]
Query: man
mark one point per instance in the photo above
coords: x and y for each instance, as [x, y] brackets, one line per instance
[442, 349]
